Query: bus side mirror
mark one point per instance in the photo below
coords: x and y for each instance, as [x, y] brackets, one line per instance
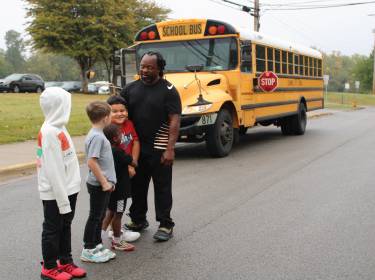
[246, 61]
[90, 74]
[194, 67]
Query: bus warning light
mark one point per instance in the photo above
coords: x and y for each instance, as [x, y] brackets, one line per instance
[151, 35]
[144, 35]
[212, 30]
[221, 29]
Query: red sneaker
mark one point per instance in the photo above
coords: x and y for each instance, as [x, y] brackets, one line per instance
[72, 269]
[54, 273]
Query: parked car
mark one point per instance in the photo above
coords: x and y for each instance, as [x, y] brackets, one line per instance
[22, 82]
[93, 89]
[53, 84]
[72, 86]
[103, 87]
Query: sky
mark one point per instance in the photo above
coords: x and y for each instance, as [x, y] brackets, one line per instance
[344, 29]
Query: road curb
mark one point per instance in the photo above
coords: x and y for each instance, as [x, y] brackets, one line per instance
[318, 115]
[25, 168]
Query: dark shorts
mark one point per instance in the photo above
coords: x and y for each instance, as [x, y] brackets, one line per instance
[117, 205]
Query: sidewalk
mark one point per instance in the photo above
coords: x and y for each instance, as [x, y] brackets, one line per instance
[20, 158]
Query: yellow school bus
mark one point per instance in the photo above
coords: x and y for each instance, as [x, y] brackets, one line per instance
[215, 67]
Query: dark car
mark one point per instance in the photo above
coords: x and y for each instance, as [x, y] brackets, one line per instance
[22, 82]
[93, 89]
[72, 86]
[53, 84]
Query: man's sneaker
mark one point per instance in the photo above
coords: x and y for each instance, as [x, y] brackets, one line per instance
[130, 236]
[136, 227]
[106, 252]
[111, 234]
[163, 233]
[54, 273]
[122, 246]
[93, 255]
[73, 270]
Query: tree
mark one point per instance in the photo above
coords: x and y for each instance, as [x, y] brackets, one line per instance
[364, 71]
[80, 29]
[5, 68]
[15, 52]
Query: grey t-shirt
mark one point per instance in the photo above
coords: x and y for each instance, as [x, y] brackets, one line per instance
[97, 146]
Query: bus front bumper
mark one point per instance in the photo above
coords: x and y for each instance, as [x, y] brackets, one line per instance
[197, 125]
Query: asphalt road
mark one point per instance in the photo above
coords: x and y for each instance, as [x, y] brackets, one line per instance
[278, 207]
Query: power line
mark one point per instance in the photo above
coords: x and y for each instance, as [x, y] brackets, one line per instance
[318, 7]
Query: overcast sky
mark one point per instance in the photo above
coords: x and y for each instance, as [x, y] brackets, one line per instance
[345, 29]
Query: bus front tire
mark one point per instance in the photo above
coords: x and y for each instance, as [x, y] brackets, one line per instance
[220, 140]
[299, 121]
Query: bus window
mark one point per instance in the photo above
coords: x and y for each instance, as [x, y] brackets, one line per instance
[315, 67]
[277, 61]
[319, 67]
[233, 62]
[285, 62]
[246, 69]
[296, 64]
[301, 59]
[269, 59]
[306, 66]
[260, 58]
[290, 62]
[311, 73]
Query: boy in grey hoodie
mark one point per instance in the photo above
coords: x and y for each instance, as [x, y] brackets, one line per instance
[58, 183]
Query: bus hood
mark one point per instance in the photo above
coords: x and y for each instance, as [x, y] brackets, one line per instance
[214, 87]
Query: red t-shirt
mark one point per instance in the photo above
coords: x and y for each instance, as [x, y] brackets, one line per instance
[128, 135]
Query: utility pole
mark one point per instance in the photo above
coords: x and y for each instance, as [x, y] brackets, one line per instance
[373, 79]
[256, 16]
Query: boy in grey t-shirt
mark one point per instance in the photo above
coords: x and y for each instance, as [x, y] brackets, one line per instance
[100, 181]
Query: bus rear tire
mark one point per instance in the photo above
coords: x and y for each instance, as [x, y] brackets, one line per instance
[299, 121]
[220, 140]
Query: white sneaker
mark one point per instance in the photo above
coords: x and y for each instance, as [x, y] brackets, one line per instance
[106, 252]
[93, 255]
[130, 236]
[110, 233]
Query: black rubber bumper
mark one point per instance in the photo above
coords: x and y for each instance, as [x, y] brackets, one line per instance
[189, 126]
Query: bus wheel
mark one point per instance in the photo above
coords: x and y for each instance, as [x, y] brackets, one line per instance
[299, 121]
[286, 127]
[220, 140]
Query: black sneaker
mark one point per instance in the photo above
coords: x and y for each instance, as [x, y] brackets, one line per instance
[164, 233]
[136, 227]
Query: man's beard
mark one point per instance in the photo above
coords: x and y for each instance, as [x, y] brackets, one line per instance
[148, 80]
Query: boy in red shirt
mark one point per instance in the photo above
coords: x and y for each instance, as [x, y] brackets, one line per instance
[129, 143]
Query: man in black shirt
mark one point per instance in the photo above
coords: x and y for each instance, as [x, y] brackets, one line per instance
[154, 106]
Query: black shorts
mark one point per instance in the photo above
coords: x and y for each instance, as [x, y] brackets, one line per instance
[116, 205]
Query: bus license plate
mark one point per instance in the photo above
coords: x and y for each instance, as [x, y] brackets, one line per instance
[207, 119]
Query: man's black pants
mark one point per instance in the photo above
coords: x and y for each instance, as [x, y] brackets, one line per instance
[56, 235]
[149, 166]
[98, 205]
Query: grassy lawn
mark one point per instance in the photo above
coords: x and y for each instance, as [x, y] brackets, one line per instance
[21, 116]
[350, 107]
[362, 99]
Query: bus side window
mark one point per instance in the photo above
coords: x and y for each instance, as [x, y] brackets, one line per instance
[306, 66]
[260, 53]
[290, 62]
[296, 64]
[285, 62]
[246, 69]
[277, 61]
[301, 59]
[311, 73]
[315, 67]
[233, 54]
[269, 59]
[319, 67]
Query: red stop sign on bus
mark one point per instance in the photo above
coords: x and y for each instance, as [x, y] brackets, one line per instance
[268, 81]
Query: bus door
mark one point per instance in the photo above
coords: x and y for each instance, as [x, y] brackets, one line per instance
[247, 87]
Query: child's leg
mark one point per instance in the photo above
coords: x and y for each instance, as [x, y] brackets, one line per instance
[116, 224]
[108, 219]
[65, 244]
[52, 227]
[98, 204]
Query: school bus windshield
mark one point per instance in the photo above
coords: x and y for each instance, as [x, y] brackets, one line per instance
[213, 53]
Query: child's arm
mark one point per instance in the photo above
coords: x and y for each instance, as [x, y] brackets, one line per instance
[135, 153]
[95, 169]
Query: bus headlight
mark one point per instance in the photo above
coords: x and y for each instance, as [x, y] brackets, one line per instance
[196, 109]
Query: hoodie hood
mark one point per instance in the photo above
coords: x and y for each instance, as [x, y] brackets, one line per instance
[56, 105]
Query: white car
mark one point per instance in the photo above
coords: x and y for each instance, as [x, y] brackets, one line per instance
[103, 87]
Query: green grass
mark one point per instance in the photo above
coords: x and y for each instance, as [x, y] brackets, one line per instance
[21, 116]
[362, 99]
[342, 106]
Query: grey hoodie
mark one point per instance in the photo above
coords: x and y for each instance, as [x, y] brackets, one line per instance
[58, 167]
